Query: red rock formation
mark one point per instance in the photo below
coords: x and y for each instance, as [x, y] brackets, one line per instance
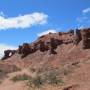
[85, 38]
[8, 53]
[52, 40]
[25, 50]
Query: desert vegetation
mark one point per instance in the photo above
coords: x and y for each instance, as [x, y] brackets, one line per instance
[40, 79]
[20, 78]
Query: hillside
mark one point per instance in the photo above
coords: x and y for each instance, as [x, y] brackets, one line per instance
[64, 53]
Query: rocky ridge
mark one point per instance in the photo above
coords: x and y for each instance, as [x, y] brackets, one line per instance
[66, 53]
[51, 41]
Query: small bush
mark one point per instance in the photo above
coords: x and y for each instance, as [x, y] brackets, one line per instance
[52, 78]
[21, 78]
[36, 82]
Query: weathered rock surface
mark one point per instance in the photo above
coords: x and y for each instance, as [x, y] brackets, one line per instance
[51, 41]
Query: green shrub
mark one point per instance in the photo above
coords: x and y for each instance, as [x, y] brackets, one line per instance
[52, 77]
[54, 80]
[21, 78]
[36, 82]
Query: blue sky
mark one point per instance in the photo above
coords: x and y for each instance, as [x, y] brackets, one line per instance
[25, 20]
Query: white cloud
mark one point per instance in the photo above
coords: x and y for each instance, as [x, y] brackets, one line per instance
[84, 19]
[22, 21]
[5, 47]
[86, 10]
[46, 32]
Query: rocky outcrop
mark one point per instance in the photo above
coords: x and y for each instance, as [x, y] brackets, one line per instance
[51, 41]
[84, 35]
[8, 53]
[85, 38]
[41, 45]
[53, 45]
[25, 49]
